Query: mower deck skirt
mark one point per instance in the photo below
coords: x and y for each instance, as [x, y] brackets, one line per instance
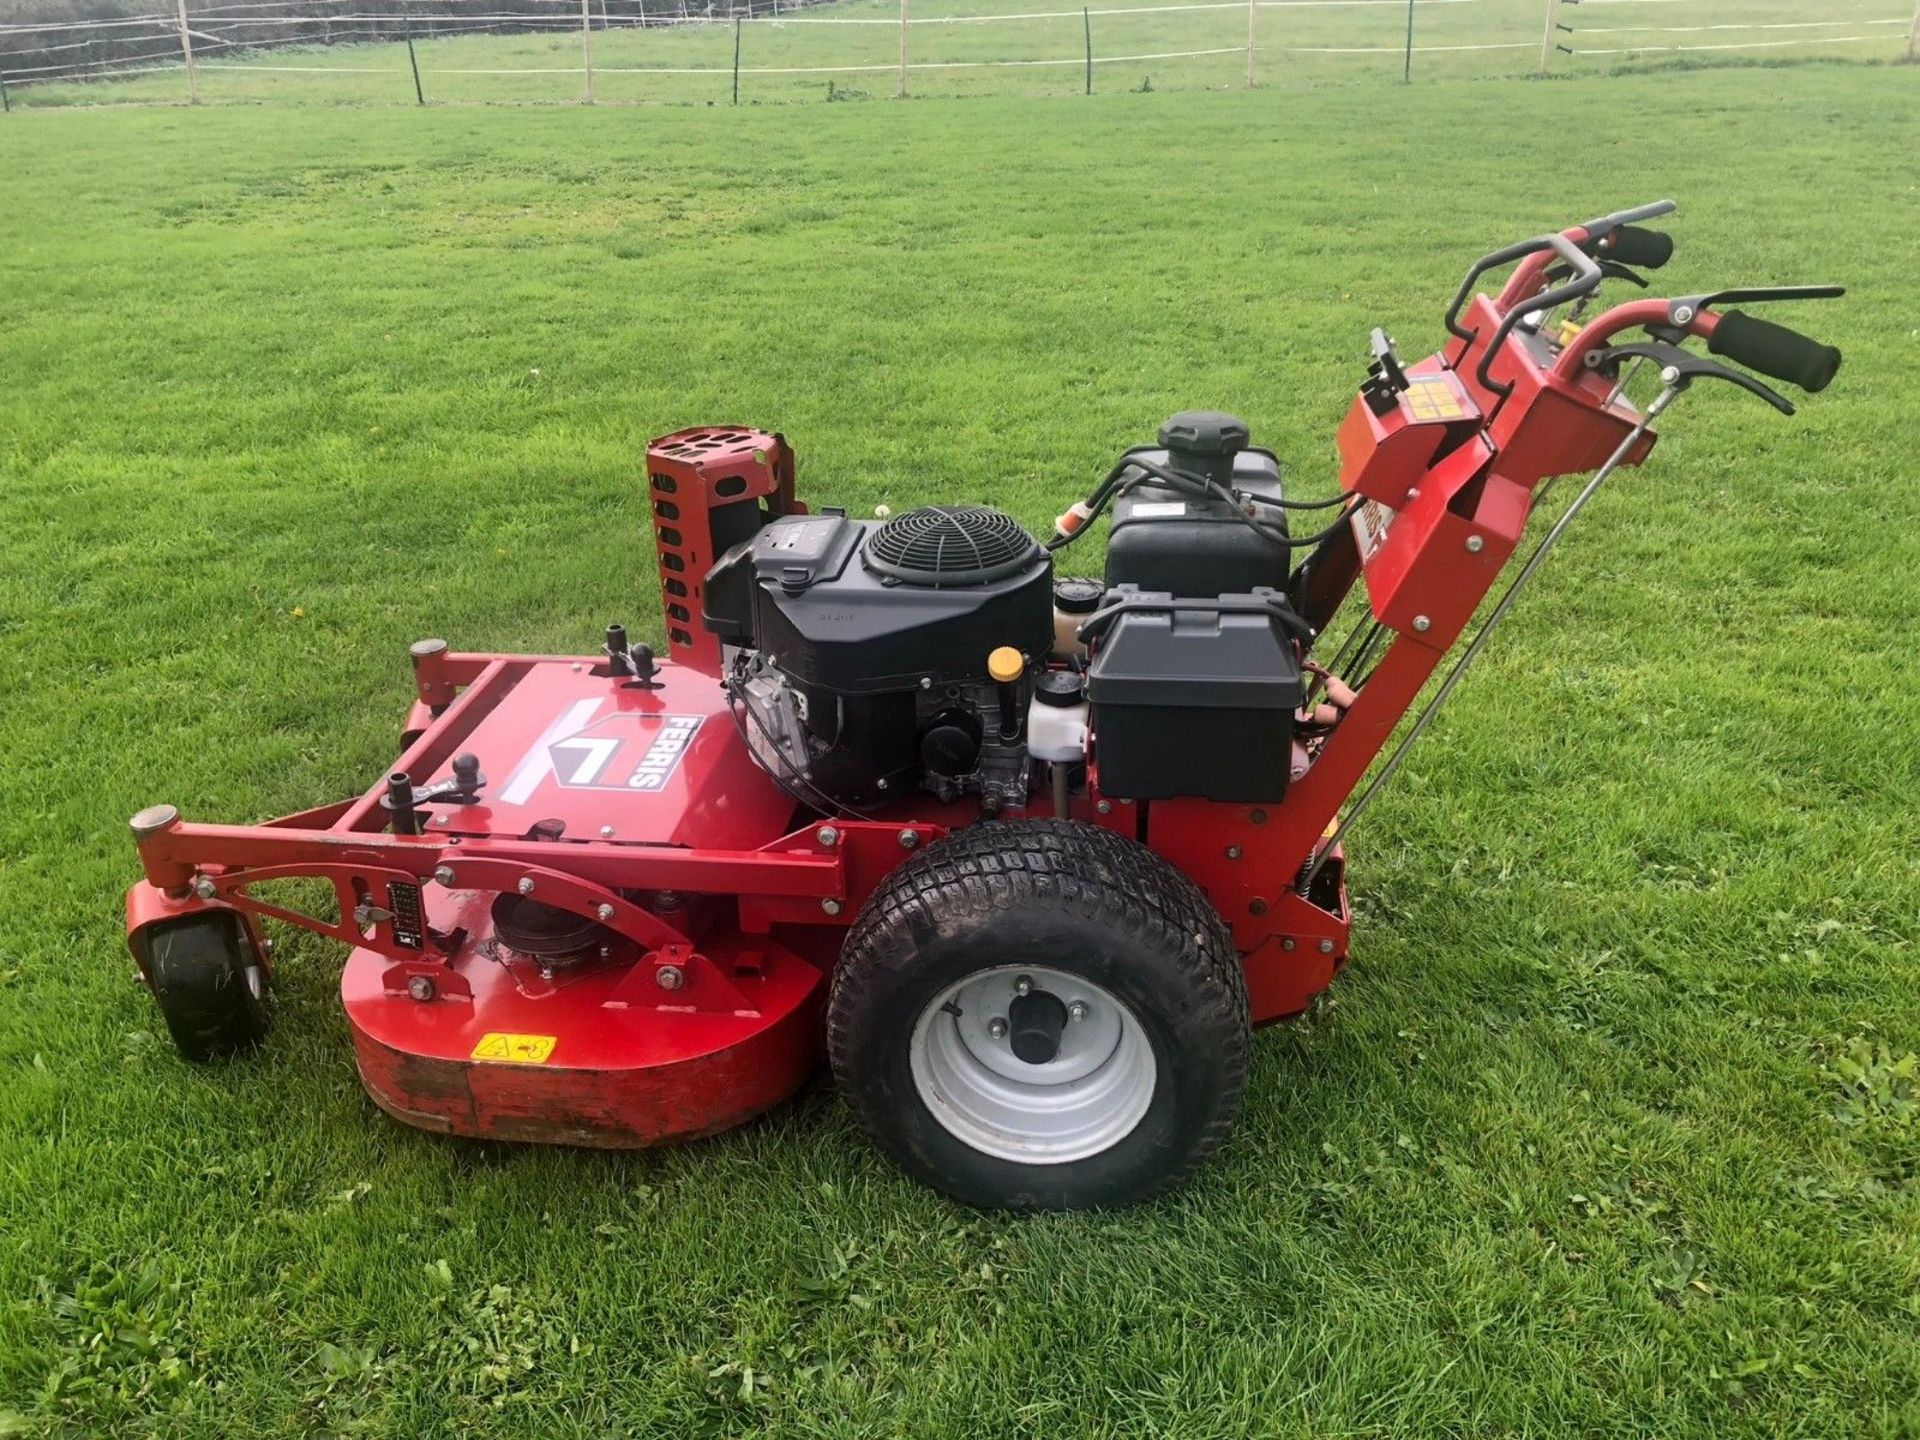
[566, 1063]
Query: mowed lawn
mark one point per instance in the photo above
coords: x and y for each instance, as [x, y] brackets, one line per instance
[1610, 1128]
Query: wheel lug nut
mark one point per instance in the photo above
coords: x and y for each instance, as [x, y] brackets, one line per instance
[997, 1028]
[1023, 986]
[1077, 1010]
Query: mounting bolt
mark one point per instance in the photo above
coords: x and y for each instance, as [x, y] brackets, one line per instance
[829, 836]
[526, 884]
[606, 832]
[909, 839]
[1256, 907]
[1422, 623]
[605, 912]
[1287, 943]
[1023, 986]
[444, 876]
[205, 888]
[997, 1028]
[1105, 807]
[1234, 852]
[420, 987]
[669, 977]
[830, 905]
[926, 682]
[1683, 314]
[1670, 375]
[1475, 544]
[1077, 1010]
[1326, 947]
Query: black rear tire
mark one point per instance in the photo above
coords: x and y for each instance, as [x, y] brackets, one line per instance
[1071, 900]
[210, 985]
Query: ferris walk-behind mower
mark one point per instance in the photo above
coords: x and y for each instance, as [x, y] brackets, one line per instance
[1026, 856]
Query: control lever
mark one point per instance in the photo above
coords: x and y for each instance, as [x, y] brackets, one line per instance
[1680, 368]
[1612, 269]
[461, 788]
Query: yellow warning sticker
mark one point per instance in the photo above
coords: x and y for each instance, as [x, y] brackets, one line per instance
[1431, 397]
[508, 1049]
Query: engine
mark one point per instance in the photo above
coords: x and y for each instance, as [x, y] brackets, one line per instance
[859, 651]
[933, 651]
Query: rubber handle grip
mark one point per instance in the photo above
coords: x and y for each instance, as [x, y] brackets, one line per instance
[1775, 350]
[1632, 245]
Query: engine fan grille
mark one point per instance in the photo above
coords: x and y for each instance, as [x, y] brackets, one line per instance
[950, 545]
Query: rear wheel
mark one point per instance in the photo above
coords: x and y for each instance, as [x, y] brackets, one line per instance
[209, 983]
[1041, 1015]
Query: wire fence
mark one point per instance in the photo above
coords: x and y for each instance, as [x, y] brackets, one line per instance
[754, 51]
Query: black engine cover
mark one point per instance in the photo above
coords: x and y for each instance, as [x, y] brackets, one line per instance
[802, 593]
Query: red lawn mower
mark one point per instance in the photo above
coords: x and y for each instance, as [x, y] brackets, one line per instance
[1026, 856]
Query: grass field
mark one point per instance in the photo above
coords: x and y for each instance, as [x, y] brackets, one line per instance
[1612, 1127]
[850, 50]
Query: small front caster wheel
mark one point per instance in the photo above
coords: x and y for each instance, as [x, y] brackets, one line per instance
[1041, 1015]
[209, 983]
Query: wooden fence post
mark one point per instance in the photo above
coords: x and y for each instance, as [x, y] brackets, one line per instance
[902, 93]
[736, 59]
[1546, 41]
[1086, 20]
[1406, 75]
[186, 52]
[1913, 35]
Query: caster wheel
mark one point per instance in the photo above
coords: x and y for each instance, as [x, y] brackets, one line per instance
[209, 983]
[1041, 1015]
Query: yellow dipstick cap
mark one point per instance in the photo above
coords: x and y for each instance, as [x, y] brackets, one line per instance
[1005, 664]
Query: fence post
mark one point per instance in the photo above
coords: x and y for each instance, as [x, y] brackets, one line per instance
[406, 19]
[1913, 35]
[186, 52]
[1086, 19]
[586, 48]
[1546, 41]
[902, 93]
[736, 59]
[6, 100]
[1406, 75]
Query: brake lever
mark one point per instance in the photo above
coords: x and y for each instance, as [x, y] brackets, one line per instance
[1686, 367]
[1681, 309]
[1612, 269]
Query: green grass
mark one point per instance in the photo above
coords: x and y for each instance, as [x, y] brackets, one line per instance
[1296, 44]
[1610, 1128]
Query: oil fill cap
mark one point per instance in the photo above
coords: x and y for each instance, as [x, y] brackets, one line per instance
[1006, 665]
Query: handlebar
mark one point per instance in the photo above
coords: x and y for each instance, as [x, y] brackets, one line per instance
[1775, 350]
[1633, 245]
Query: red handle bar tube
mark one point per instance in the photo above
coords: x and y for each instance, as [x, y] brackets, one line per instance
[1604, 327]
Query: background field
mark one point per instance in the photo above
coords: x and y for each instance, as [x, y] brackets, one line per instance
[1611, 1126]
[850, 50]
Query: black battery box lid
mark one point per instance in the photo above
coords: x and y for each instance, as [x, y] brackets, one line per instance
[1229, 652]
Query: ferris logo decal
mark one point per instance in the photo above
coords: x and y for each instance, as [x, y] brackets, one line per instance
[623, 751]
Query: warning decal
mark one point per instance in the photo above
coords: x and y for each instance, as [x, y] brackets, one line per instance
[1432, 397]
[509, 1049]
[1370, 522]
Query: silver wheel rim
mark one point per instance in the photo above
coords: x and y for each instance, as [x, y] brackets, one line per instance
[1088, 1098]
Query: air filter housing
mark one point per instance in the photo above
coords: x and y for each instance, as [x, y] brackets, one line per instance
[950, 545]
